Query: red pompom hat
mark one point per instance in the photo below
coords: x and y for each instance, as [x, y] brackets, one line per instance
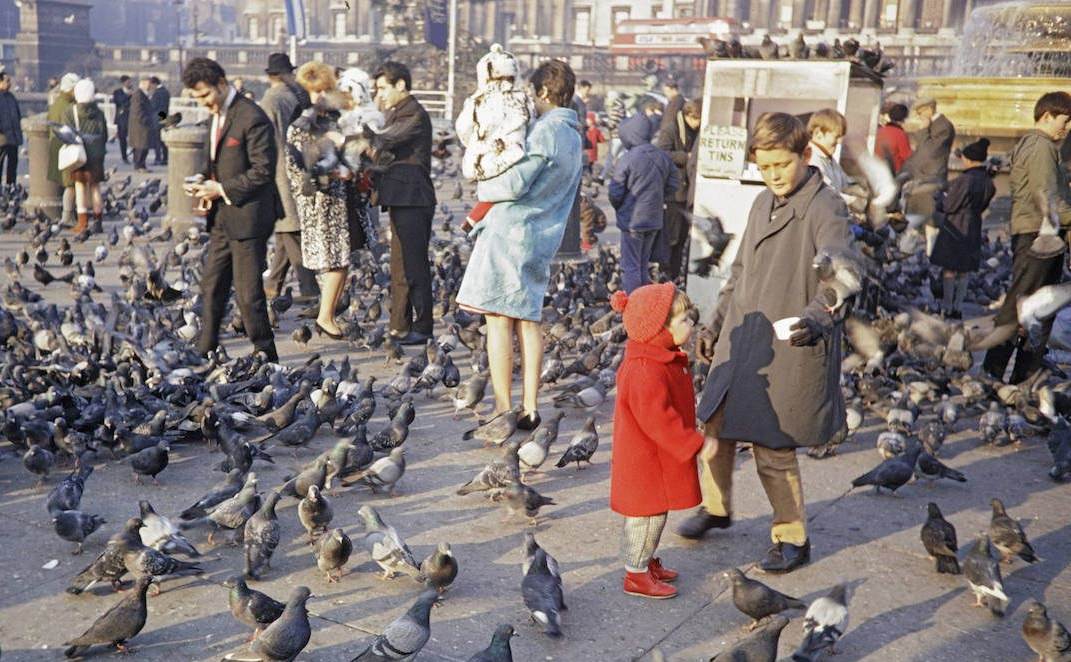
[645, 311]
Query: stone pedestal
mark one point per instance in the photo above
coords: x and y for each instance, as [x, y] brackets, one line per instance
[187, 155]
[45, 194]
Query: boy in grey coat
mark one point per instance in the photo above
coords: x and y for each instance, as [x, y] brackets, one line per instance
[777, 394]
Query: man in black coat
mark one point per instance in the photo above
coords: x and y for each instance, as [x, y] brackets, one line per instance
[140, 124]
[242, 204]
[403, 153]
[10, 130]
[677, 139]
[121, 99]
[927, 167]
[161, 108]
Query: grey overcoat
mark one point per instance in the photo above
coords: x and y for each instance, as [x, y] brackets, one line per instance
[777, 395]
[279, 104]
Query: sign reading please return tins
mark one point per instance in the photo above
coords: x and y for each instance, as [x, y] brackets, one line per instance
[722, 151]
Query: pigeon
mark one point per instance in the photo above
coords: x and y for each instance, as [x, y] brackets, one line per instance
[840, 276]
[75, 526]
[314, 513]
[1045, 636]
[261, 536]
[758, 600]
[759, 646]
[823, 625]
[219, 493]
[386, 547]
[518, 497]
[587, 398]
[287, 635]
[232, 513]
[314, 474]
[109, 566]
[530, 549]
[439, 568]
[159, 533]
[929, 468]
[117, 625]
[893, 473]
[582, 446]
[499, 649]
[150, 462]
[891, 444]
[1007, 535]
[39, 461]
[148, 561]
[495, 430]
[348, 457]
[534, 451]
[542, 592]
[67, 494]
[495, 474]
[939, 539]
[983, 577]
[470, 394]
[403, 638]
[332, 552]
[252, 607]
[384, 472]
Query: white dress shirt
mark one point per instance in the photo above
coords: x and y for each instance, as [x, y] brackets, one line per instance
[219, 120]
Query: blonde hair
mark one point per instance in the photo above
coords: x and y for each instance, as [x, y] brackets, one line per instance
[779, 131]
[829, 121]
[681, 305]
[316, 77]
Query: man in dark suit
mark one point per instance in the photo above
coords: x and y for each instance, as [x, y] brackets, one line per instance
[927, 167]
[121, 99]
[242, 203]
[161, 108]
[403, 152]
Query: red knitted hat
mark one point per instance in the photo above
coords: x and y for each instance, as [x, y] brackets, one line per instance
[646, 310]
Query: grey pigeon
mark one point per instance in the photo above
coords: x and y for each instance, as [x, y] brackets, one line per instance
[384, 472]
[116, 626]
[1007, 535]
[287, 635]
[249, 606]
[159, 533]
[332, 552]
[440, 568]
[582, 446]
[75, 526]
[893, 473]
[386, 547]
[232, 513]
[349, 456]
[261, 536]
[403, 638]
[39, 461]
[219, 493]
[530, 549]
[315, 513]
[823, 625]
[1045, 636]
[495, 430]
[67, 494]
[542, 592]
[758, 600]
[520, 498]
[983, 577]
[316, 474]
[939, 539]
[495, 474]
[150, 462]
[499, 649]
[150, 562]
[534, 451]
[929, 468]
[109, 566]
[759, 646]
[470, 394]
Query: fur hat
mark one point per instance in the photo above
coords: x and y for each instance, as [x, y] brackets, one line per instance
[84, 91]
[496, 65]
[645, 311]
[68, 82]
[977, 151]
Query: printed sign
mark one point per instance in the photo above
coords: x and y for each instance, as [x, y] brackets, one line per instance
[722, 151]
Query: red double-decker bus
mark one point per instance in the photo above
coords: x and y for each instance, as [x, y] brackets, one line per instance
[669, 43]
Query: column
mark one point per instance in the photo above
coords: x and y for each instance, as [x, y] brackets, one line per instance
[855, 14]
[760, 14]
[946, 15]
[909, 12]
[833, 17]
[799, 13]
[45, 194]
[187, 155]
[870, 15]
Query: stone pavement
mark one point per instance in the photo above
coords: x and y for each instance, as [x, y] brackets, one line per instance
[901, 609]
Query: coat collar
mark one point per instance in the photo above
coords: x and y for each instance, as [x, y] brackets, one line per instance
[642, 350]
[796, 205]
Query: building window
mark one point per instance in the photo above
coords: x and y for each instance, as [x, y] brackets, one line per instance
[889, 13]
[621, 14]
[253, 28]
[278, 27]
[582, 26]
[340, 25]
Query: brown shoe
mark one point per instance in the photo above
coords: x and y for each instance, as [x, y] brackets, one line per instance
[83, 223]
[646, 586]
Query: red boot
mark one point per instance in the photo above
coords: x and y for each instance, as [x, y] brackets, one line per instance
[660, 573]
[646, 586]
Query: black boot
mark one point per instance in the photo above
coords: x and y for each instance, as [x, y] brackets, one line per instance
[698, 524]
[785, 557]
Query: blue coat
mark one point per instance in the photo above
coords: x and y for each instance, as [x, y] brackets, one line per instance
[643, 178]
[509, 268]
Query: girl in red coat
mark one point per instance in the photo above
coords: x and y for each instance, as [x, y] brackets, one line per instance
[652, 470]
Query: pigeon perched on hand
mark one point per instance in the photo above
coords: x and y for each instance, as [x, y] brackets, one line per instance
[823, 625]
[758, 600]
[403, 638]
[939, 538]
[116, 626]
[1045, 636]
[983, 577]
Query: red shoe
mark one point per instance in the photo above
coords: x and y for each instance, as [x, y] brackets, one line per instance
[646, 586]
[658, 572]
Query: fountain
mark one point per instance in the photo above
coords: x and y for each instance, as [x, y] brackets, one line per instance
[1010, 54]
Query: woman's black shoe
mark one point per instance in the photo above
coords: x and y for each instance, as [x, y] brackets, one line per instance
[529, 421]
[322, 331]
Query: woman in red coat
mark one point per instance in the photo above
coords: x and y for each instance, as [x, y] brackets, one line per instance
[652, 470]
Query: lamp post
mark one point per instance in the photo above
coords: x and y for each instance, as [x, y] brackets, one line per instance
[451, 57]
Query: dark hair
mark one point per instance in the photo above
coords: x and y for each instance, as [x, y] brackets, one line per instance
[558, 79]
[394, 72]
[1053, 103]
[203, 70]
[651, 103]
[671, 84]
[692, 107]
[584, 83]
[155, 80]
[124, 78]
[897, 112]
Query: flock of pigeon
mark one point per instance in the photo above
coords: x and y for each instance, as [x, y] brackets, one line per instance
[111, 377]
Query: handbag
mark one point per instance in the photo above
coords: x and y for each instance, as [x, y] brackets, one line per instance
[73, 156]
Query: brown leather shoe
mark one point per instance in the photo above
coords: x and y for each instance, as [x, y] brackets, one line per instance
[83, 223]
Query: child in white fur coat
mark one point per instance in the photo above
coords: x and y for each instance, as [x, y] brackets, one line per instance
[493, 123]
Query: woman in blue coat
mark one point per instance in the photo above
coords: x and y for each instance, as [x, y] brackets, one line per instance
[508, 272]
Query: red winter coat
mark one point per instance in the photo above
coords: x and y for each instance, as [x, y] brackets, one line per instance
[652, 466]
